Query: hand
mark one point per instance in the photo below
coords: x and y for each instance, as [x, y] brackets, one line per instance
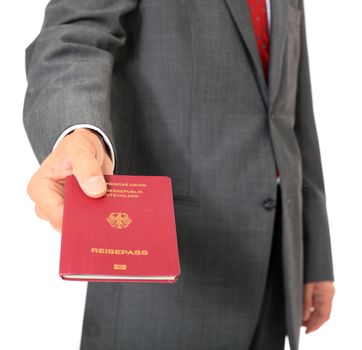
[81, 153]
[317, 301]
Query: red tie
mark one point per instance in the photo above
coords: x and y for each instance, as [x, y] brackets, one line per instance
[259, 19]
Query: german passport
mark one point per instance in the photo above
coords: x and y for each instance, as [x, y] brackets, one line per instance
[129, 235]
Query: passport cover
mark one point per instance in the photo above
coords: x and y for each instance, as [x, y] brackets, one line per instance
[129, 235]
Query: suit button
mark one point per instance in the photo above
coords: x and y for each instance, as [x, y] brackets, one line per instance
[269, 204]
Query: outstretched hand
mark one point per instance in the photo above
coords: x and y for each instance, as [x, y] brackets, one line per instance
[81, 153]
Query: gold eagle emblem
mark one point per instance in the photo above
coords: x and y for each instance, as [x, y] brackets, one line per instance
[119, 220]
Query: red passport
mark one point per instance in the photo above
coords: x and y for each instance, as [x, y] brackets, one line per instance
[129, 235]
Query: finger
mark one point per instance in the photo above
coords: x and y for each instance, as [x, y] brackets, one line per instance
[40, 213]
[48, 197]
[307, 301]
[88, 171]
[59, 229]
[321, 314]
[316, 320]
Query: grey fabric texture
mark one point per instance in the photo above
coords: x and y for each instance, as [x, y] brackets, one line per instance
[179, 89]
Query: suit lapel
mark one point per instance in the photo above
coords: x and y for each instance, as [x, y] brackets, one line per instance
[278, 36]
[240, 13]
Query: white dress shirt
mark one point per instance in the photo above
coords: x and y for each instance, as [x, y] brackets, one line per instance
[268, 12]
[106, 139]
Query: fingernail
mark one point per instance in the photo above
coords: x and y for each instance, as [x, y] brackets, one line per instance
[95, 185]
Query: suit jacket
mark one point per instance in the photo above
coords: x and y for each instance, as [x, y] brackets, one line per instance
[178, 87]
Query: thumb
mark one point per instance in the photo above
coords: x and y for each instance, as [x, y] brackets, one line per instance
[307, 300]
[88, 172]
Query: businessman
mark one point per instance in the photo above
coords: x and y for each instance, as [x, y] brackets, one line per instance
[215, 94]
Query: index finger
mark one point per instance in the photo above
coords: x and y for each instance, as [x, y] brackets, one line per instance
[48, 196]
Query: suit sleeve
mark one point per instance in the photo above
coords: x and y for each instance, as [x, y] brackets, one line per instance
[69, 69]
[317, 244]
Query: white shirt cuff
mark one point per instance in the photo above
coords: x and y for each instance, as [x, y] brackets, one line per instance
[88, 126]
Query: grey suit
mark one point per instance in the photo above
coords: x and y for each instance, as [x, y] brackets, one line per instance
[178, 87]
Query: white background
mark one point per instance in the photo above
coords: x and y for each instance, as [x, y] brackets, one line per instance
[40, 311]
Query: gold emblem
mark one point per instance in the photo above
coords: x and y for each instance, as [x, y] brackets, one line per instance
[119, 267]
[119, 220]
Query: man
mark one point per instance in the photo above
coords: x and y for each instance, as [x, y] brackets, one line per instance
[186, 89]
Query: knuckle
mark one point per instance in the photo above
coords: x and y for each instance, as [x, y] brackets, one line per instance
[29, 188]
[55, 226]
[324, 315]
[31, 185]
[322, 320]
[40, 213]
[55, 221]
